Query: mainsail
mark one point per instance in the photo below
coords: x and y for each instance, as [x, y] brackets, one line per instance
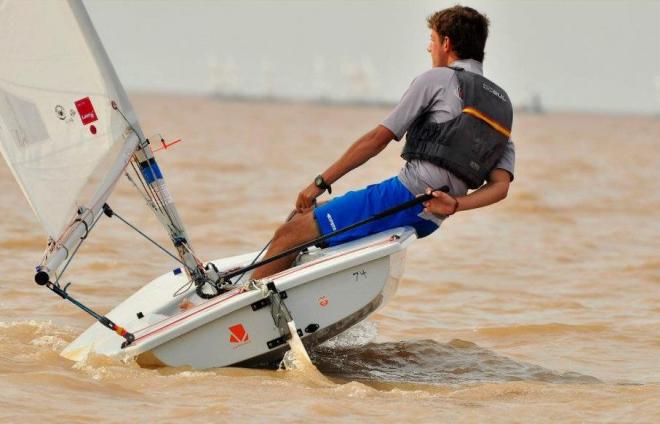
[67, 129]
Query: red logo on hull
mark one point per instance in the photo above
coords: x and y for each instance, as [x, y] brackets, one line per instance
[323, 301]
[86, 111]
[238, 334]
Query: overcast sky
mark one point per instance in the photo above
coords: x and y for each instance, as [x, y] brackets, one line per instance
[574, 55]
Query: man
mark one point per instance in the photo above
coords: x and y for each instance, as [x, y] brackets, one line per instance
[458, 127]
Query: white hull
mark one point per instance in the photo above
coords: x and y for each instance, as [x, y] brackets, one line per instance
[328, 292]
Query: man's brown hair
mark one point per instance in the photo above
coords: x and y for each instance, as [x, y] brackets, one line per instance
[466, 28]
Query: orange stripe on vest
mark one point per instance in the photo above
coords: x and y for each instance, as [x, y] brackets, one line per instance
[496, 126]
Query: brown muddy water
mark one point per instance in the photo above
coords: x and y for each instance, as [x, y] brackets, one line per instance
[542, 308]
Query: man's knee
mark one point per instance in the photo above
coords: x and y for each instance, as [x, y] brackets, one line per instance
[300, 229]
[284, 230]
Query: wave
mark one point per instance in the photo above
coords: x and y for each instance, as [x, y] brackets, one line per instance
[25, 345]
[431, 362]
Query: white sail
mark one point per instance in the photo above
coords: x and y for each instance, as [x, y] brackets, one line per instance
[59, 133]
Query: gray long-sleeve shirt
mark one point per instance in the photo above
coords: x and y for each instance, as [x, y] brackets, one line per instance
[436, 92]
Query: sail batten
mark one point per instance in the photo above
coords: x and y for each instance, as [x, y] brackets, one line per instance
[63, 140]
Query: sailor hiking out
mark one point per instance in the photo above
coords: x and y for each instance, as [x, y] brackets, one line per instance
[59, 129]
[458, 128]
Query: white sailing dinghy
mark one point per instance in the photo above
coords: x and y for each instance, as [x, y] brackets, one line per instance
[68, 133]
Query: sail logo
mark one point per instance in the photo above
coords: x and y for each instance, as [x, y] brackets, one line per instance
[238, 335]
[86, 111]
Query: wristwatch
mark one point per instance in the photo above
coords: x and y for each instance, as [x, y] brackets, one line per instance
[320, 183]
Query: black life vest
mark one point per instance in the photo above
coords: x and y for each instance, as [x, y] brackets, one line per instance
[471, 144]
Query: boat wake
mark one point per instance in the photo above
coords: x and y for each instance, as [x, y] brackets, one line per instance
[431, 362]
[352, 357]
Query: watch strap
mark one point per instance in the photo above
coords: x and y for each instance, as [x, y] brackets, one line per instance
[320, 183]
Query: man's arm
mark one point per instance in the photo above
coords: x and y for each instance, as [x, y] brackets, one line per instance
[366, 147]
[493, 191]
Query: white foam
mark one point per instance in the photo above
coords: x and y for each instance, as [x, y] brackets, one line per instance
[54, 342]
[358, 335]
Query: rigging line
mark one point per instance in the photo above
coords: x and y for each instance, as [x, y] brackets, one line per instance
[157, 206]
[189, 250]
[70, 258]
[238, 280]
[156, 195]
[143, 145]
[67, 231]
[148, 189]
[157, 201]
[184, 288]
[173, 224]
[293, 212]
[52, 245]
[115, 106]
[142, 193]
[149, 201]
[173, 227]
[144, 189]
[110, 213]
[154, 205]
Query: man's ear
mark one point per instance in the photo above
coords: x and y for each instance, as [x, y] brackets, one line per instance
[447, 45]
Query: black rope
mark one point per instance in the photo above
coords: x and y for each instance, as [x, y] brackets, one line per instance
[391, 211]
[293, 212]
[254, 260]
[110, 213]
[184, 288]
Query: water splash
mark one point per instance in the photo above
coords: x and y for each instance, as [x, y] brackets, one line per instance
[297, 357]
[30, 338]
[297, 361]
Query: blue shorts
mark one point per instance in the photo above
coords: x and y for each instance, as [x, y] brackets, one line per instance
[356, 206]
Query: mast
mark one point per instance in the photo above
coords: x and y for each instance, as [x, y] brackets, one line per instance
[137, 151]
[162, 204]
